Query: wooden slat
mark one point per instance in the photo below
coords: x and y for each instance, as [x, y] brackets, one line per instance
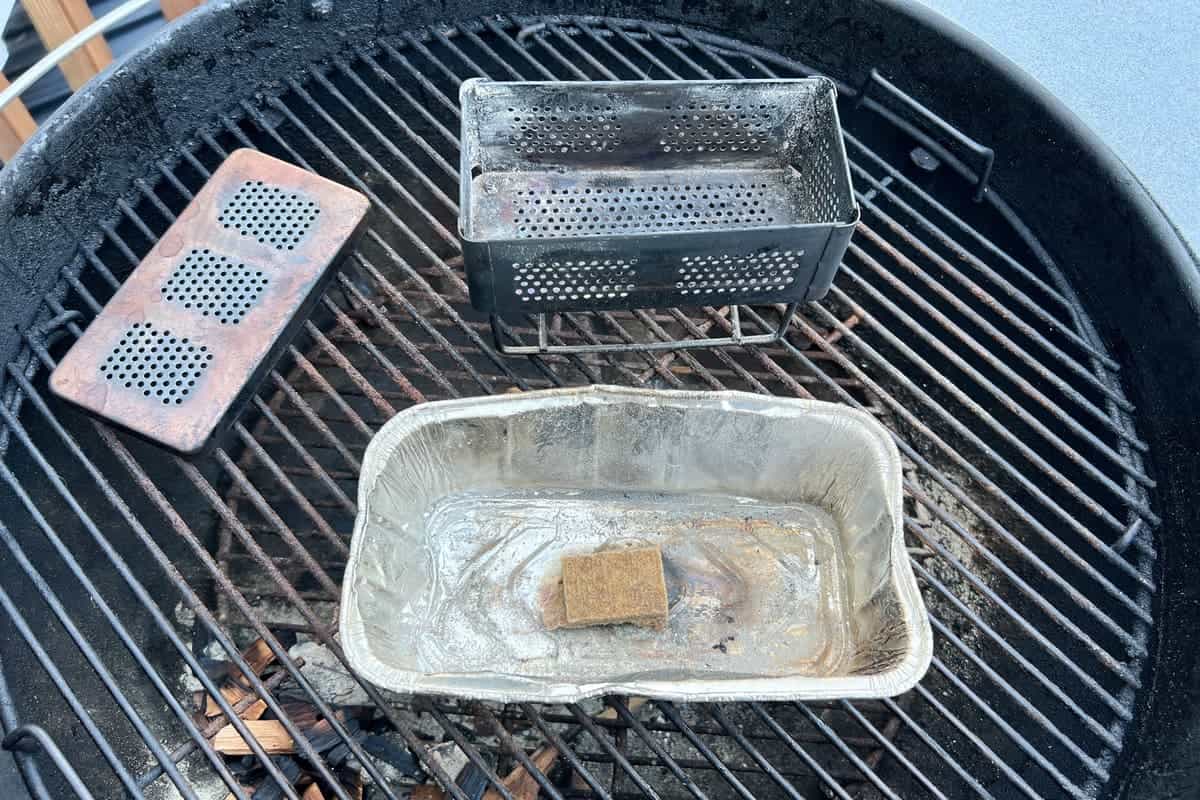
[58, 20]
[270, 733]
[177, 8]
[16, 125]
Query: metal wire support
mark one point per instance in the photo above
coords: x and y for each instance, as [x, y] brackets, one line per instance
[736, 338]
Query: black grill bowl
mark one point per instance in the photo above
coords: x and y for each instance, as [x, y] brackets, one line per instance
[100, 179]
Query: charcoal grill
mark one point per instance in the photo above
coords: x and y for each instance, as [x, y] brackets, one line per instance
[132, 580]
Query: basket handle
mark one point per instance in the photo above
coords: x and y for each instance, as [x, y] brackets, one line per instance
[986, 155]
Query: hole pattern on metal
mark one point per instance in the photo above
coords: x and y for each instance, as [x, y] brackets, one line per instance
[574, 280]
[638, 209]
[215, 286]
[153, 361]
[269, 214]
[724, 128]
[817, 178]
[758, 272]
[564, 129]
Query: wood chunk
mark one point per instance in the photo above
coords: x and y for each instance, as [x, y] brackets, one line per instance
[232, 695]
[254, 710]
[258, 656]
[427, 791]
[270, 733]
[615, 586]
[235, 695]
[520, 782]
[313, 792]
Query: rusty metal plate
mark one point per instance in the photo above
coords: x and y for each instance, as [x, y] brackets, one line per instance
[185, 340]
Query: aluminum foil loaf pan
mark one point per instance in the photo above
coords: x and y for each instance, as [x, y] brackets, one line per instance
[779, 522]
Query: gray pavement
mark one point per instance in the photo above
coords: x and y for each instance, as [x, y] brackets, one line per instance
[1130, 70]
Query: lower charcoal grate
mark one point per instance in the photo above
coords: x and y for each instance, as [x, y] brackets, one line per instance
[167, 581]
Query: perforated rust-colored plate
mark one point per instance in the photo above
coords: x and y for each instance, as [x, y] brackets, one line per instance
[186, 339]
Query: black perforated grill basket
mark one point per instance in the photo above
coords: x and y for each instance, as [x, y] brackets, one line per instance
[652, 194]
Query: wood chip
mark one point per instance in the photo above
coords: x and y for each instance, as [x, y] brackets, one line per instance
[427, 791]
[235, 695]
[313, 792]
[270, 733]
[232, 695]
[520, 783]
[258, 656]
[615, 586]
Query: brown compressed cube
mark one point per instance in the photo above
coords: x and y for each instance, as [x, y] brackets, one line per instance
[615, 586]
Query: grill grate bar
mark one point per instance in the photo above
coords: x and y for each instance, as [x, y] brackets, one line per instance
[1026, 747]
[958, 222]
[943, 238]
[1028, 708]
[85, 718]
[959, 529]
[977, 291]
[412, 102]
[734, 732]
[84, 646]
[1052, 687]
[120, 565]
[356, 297]
[389, 146]
[472, 753]
[656, 747]
[616, 755]
[511, 746]
[356, 335]
[671, 713]
[790, 742]
[1004, 341]
[1043, 570]
[307, 412]
[892, 750]
[1101, 547]
[979, 350]
[563, 748]
[978, 743]
[849, 754]
[873, 355]
[314, 468]
[456, 353]
[300, 499]
[502, 34]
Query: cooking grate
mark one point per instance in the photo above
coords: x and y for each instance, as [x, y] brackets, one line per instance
[1027, 512]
